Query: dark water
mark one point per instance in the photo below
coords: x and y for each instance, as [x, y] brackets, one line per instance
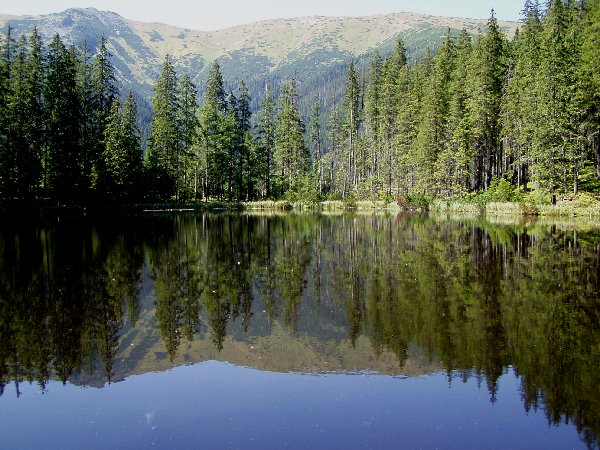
[240, 331]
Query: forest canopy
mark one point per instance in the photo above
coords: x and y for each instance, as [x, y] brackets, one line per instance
[483, 113]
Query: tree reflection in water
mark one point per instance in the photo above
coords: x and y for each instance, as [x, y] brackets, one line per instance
[477, 297]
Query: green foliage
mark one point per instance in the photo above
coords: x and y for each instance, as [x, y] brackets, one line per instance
[263, 148]
[501, 190]
[482, 119]
[415, 202]
[304, 190]
[55, 145]
[350, 202]
[162, 156]
[64, 180]
[523, 112]
[189, 159]
[588, 180]
[290, 154]
[122, 157]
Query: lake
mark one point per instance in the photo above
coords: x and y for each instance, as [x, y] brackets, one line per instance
[301, 331]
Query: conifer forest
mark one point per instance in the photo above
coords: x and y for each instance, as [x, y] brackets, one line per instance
[483, 112]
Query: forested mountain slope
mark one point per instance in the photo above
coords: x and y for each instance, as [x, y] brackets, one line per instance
[311, 48]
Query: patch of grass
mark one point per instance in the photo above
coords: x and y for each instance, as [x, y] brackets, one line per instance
[584, 204]
[455, 206]
[511, 209]
[537, 203]
[326, 206]
[269, 205]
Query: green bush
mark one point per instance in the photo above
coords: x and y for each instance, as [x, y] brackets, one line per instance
[350, 202]
[414, 202]
[304, 190]
[588, 180]
[502, 191]
[537, 197]
[586, 200]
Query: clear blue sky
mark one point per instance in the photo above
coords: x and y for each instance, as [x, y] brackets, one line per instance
[215, 14]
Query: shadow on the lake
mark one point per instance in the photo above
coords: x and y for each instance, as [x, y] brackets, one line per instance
[92, 301]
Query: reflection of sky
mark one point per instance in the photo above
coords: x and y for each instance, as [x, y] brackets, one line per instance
[218, 405]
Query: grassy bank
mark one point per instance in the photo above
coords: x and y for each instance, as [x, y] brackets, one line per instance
[325, 206]
[583, 205]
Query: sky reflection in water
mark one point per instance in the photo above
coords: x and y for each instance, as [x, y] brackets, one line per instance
[219, 405]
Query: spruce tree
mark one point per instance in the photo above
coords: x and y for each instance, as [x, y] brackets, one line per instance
[352, 110]
[104, 91]
[332, 160]
[291, 156]
[163, 145]
[373, 113]
[456, 158]
[132, 148]
[122, 156]
[589, 76]
[391, 105]
[91, 137]
[485, 82]
[244, 169]
[404, 164]
[25, 112]
[64, 161]
[265, 141]
[6, 157]
[316, 141]
[434, 131]
[187, 158]
[229, 144]
[556, 150]
[18, 144]
[36, 112]
[114, 155]
[521, 103]
[213, 134]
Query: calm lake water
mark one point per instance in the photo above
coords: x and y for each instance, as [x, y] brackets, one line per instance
[300, 331]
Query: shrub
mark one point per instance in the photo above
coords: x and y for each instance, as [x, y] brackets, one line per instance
[414, 202]
[501, 191]
[350, 202]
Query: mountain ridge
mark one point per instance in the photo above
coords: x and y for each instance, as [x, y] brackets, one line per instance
[314, 49]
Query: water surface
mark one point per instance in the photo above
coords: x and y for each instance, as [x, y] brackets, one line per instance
[268, 331]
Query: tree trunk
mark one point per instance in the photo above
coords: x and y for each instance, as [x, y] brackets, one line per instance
[597, 148]
[196, 183]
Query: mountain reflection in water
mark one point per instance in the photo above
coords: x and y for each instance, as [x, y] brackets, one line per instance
[91, 301]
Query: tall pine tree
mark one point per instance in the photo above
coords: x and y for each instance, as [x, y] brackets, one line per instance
[64, 180]
[265, 141]
[290, 155]
[163, 146]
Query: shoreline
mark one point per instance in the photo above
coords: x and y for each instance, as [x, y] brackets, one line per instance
[563, 209]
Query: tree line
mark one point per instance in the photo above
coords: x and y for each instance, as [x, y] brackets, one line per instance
[483, 111]
[215, 151]
[65, 133]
